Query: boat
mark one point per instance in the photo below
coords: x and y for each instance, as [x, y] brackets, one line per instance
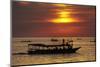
[55, 40]
[26, 41]
[63, 48]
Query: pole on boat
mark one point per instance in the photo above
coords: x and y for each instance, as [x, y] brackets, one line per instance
[63, 41]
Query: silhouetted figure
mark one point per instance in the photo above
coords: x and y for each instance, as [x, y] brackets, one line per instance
[69, 44]
[63, 41]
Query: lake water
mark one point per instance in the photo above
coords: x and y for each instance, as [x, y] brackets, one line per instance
[20, 45]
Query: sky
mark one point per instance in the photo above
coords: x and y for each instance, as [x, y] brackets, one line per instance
[38, 19]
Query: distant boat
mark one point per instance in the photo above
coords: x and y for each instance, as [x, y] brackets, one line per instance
[51, 49]
[79, 39]
[93, 41]
[54, 39]
[26, 41]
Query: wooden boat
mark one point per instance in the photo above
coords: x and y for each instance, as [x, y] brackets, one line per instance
[51, 49]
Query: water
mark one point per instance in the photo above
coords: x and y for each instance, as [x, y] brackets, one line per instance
[85, 53]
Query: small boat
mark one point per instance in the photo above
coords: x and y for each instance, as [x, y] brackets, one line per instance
[26, 41]
[52, 49]
[54, 40]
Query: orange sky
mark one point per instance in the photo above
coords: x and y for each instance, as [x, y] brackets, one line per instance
[34, 19]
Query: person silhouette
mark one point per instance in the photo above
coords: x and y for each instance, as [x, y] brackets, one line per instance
[63, 41]
[68, 43]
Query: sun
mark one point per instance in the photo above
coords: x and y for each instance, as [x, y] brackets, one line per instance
[63, 20]
[62, 15]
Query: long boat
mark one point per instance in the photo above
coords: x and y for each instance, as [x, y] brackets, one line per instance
[51, 49]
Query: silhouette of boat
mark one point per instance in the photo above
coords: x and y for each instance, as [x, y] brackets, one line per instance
[26, 41]
[52, 49]
[54, 40]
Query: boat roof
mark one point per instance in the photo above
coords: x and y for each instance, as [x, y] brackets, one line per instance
[36, 44]
[45, 45]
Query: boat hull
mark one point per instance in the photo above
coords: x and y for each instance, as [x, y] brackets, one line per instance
[60, 51]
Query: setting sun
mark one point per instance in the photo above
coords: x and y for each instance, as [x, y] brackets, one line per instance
[63, 20]
[63, 14]
[63, 17]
